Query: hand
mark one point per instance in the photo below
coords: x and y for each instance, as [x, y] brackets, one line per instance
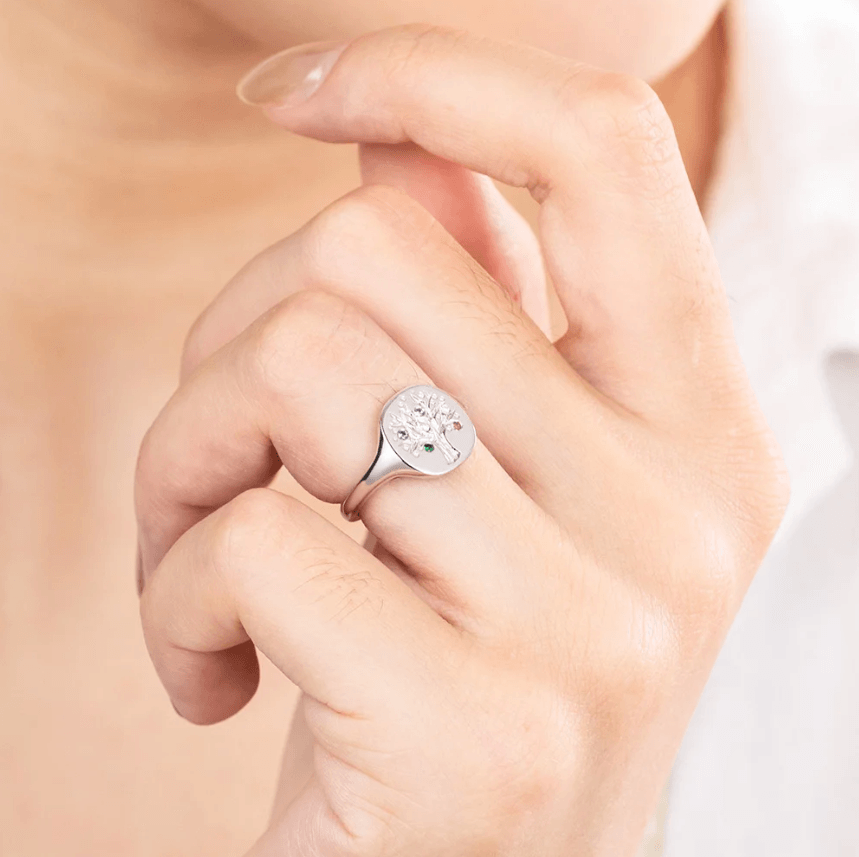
[512, 668]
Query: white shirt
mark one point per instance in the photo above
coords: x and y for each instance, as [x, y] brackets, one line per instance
[770, 763]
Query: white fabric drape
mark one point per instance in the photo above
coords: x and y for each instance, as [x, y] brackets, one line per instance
[770, 764]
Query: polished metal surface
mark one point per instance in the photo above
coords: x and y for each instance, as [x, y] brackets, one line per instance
[422, 432]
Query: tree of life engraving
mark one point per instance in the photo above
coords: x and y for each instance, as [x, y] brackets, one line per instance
[424, 426]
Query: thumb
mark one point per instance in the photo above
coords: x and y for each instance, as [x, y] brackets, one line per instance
[473, 211]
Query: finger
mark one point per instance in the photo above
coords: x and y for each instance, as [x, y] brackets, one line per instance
[623, 239]
[304, 386]
[474, 212]
[326, 612]
[381, 251]
[468, 205]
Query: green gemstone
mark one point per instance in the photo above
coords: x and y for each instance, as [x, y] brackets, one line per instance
[429, 447]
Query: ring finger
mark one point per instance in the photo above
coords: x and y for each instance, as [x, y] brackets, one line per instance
[383, 252]
[304, 386]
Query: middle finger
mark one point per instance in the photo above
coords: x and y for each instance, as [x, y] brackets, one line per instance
[380, 250]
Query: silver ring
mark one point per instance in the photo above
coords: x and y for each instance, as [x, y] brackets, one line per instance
[423, 431]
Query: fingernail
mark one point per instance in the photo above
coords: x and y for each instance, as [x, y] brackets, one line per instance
[290, 77]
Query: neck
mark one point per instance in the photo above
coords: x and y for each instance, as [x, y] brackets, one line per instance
[117, 133]
[693, 95]
[121, 68]
[123, 116]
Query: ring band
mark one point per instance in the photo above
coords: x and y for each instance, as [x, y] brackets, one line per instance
[423, 431]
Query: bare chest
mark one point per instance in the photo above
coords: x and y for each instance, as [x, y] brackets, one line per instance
[95, 761]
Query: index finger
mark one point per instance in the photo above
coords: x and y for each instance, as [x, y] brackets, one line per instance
[623, 239]
[520, 114]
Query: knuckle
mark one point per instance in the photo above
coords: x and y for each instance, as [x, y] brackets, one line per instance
[753, 485]
[542, 748]
[625, 122]
[625, 97]
[263, 531]
[147, 461]
[195, 348]
[310, 335]
[331, 240]
[257, 525]
[704, 604]
[708, 577]
[526, 746]
[766, 488]
[156, 480]
[396, 215]
[619, 664]
[369, 220]
[776, 498]
[638, 662]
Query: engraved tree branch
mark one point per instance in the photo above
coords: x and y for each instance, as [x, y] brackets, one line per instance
[424, 426]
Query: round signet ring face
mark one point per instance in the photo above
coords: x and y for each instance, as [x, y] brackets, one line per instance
[428, 429]
[422, 432]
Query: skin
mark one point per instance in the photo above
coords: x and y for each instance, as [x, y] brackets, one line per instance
[457, 692]
[97, 301]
